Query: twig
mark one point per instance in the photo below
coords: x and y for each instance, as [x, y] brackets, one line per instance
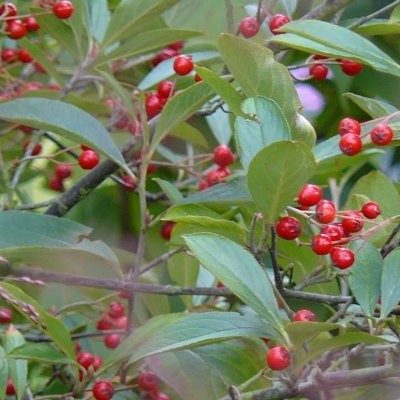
[326, 9]
[159, 260]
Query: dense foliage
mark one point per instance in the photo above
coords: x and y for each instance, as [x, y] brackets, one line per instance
[199, 199]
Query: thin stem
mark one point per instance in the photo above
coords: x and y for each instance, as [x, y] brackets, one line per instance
[159, 260]
[367, 18]
[327, 9]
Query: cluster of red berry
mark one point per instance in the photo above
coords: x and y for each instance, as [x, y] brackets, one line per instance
[250, 26]
[333, 235]
[114, 318]
[168, 52]
[16, 28]
[320, 71]
[351, 143]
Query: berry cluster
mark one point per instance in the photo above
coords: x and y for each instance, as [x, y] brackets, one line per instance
[155, 101]
[319, 71]
[147, 382]
[61, 172]
[351, 143]
[170, 51]
[222, 157]
[333, 235]
[114, 318]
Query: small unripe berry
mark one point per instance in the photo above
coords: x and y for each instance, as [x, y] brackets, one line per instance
[288, 228]
[278, 358]
[249, 27]
[304, 316]
[223, 156]
[371, 210]
[103, 390]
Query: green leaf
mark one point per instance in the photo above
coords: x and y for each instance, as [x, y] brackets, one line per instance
[186, 212]
[215, 364]
[267, 77]
[189, 134]
[18, 369]
[165, 69]
[342, 42]
[63, 119]
[226, 91]
[48, 324]
[390, 292]
[230, 193]
[98, 16]
[54, 238]
[3, 373]
[302, 332]
[181, 331]
[276, 175]
[270, 126]
[376, 27]
[179, 108]
[375, 108]
[170, 190]
[219, 123]
[146, 42]
[238, 270]
[40, 352]
[131, 14]
[365, 276]
[40, 56]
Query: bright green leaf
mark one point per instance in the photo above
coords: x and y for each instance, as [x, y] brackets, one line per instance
[170, 190]
[365, 276]
[181, 331]
[64, 119]
[377, 27]
[3, 373]
[238, 270]
[302, 332]
[270, 126]
[390, 292]
[276, 175]
[375, 108]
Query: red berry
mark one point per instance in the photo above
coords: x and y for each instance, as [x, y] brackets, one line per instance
[309, 195]
[342, 257]
[350, 67]
[31, 23]
[6, 315]
[85, 359]
[164, 55]
[63, 171]
[276, 21]
[217, 175]
[103, 390]
[371, 210]
[166, 230]
[319, 57]
[319, 72]
[8, 9]
[9, 55]
[121, 323]
[116, 309]
[56, 184]
[197, 78]
[349, 125]
[112, 340]
[288, 228]
[183, 65]
[321, 244]
[304, 316]
[334, 231]
[352, 221]
[16, 29]
[350, 144]
[148, 381]
[129, 184]
[278, 358]
[35, 151]
[88, 159]
[24, 56]
[249, 27]
[153, 104]
[203, 185]
[105, 324]
[325, 211]
[84, 147]
[97, 363]
[223, 156]
[165, 89]
[381, 134]
[10, 387]
[63, 9]
[176, 45]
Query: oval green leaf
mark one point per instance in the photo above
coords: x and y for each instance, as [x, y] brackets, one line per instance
[276, 175]
[390, 292]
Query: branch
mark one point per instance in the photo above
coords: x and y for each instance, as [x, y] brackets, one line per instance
[326, 9]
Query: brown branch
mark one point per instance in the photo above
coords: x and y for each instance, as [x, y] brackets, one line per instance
[327, 9]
